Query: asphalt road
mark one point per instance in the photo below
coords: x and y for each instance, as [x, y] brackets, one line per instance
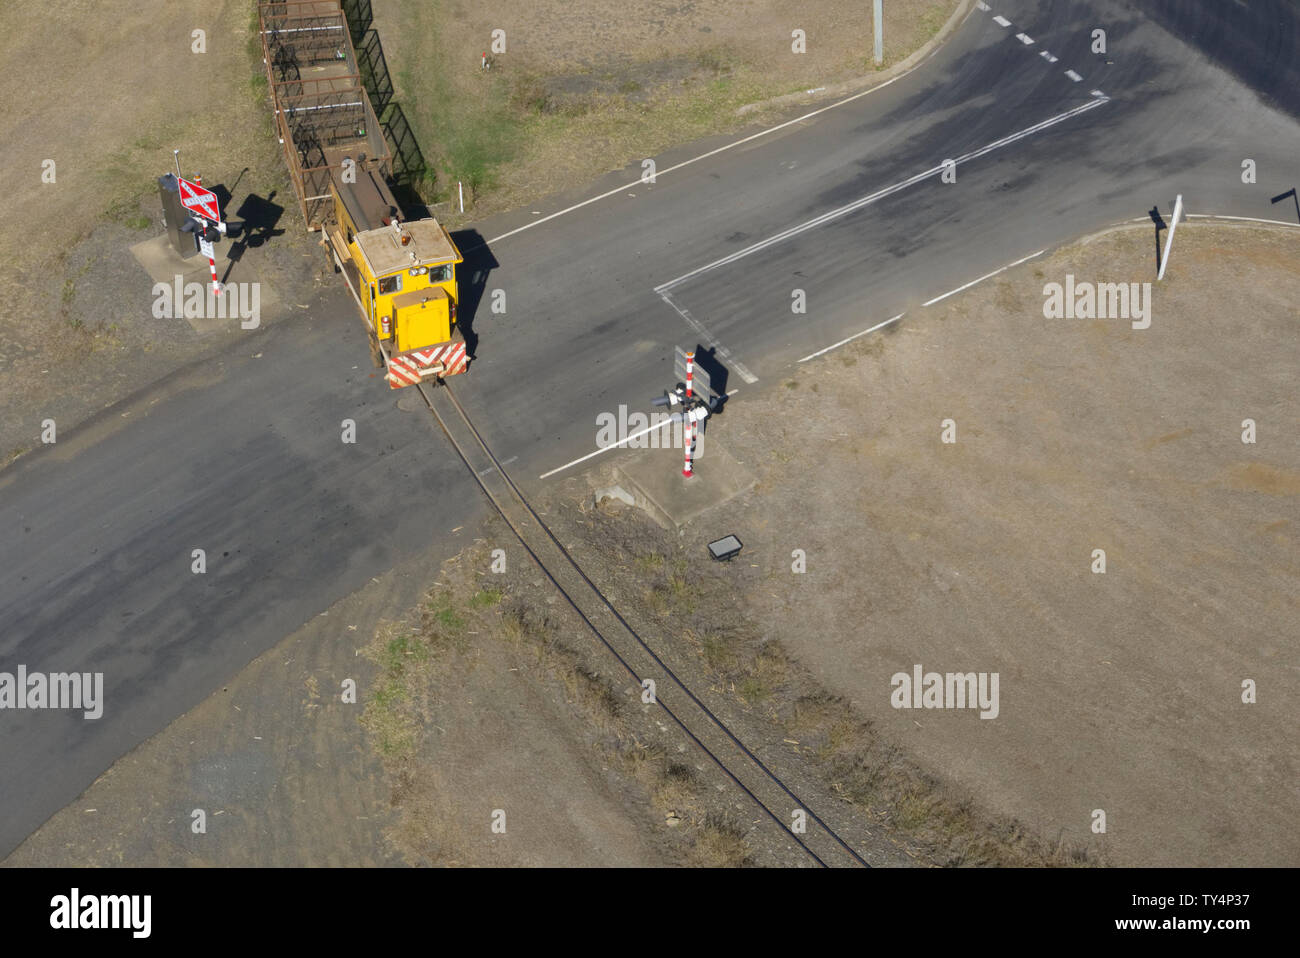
[244, 459]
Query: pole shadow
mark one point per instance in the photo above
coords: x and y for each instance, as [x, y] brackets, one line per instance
[707, 361]
[1292, 194]
[1156, 218]
[258, 217]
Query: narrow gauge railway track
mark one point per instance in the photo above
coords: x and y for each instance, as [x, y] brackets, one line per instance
[741, 766]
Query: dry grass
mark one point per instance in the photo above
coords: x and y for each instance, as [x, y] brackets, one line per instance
[583, 88]
[420, 659]
[720, 844]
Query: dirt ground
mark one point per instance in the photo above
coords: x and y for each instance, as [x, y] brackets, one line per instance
[287, 776]
[1120, 691]
[123, 88]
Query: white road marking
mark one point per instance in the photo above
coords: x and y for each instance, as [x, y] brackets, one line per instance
[1002, 21]
[1073, 76]
[879, 194]
[1097, 93]
[621, 442]
[853, 337]
[1244, 219]
[708, 337]
[721, 149]
[953, 292]
[1048, 57]
[591, 455]
[1025, 39]
[981, 5]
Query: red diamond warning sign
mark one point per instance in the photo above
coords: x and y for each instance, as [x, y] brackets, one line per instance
[198, 200]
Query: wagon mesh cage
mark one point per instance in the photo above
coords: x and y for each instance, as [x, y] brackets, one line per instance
[317, 97]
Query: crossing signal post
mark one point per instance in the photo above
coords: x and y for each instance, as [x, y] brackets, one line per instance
[687, 432]
[205, 219]
[696, 397]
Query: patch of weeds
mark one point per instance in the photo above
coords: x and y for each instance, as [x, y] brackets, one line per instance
[512, 626]
[717, 651]
[484, 598]
[442, 613]
[719, 844]
[911, 811]
[652, 562]
[530, 95]
[402, 650]
[752, 689]
[714, 60]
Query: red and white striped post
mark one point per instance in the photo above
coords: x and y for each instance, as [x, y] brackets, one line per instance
[212, 264]
[687, 433]
[216, 287]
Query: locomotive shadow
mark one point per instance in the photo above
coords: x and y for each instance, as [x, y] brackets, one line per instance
[473, 273]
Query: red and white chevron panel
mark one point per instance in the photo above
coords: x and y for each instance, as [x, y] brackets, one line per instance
[407, 369]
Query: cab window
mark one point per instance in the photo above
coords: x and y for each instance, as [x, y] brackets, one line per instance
[390, 284]
[440, 274]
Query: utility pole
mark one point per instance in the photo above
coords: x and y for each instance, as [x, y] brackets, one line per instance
[878, 28]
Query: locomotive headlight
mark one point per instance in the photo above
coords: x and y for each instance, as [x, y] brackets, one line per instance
[413, 272]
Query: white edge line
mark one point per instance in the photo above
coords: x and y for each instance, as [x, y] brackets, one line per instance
[606, 449]
[953, 292]
[853, 337]
[1244, 219]
[721, 149]
[730, 392]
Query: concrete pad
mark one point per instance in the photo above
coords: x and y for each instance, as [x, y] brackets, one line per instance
[654, 478]
[163, 264]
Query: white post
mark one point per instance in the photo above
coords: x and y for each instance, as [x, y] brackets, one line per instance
[878, 29]
[460, 188]
[176, 155]
[1169, 241]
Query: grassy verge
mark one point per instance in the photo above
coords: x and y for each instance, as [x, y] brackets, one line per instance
[428, 656]
[538, 122]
